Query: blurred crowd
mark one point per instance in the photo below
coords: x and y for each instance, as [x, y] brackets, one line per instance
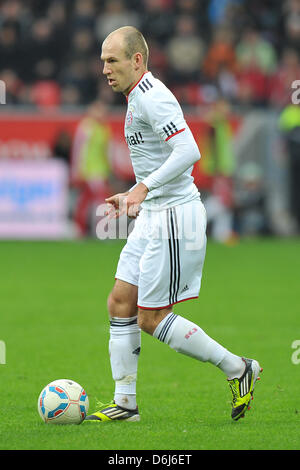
[223, 54]
[246, 51]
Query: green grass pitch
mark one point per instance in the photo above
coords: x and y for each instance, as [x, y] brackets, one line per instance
[54, 323]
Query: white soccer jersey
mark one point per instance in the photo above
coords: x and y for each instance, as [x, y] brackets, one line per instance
[162, 148]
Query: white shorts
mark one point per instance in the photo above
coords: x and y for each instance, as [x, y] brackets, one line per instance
[164, 255]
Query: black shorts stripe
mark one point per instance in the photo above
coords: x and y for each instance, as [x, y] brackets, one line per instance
[174, 255]
[177, 253]
[171, 258]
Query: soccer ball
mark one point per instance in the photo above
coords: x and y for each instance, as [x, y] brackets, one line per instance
[63, 402]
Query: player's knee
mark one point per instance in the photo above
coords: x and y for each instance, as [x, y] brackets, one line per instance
[114, 304]
[148, 320]
[110, 304]
[118, 306]
[143, 322]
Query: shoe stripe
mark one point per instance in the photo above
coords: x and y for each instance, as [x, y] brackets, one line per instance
[110, 414]
[111, 410]
[116, 414]
[124, 414]
[244, 386]
[108, 411]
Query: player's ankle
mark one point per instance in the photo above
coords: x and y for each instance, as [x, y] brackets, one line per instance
[125, 401]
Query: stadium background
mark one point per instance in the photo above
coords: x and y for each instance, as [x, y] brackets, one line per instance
[231, 63]
[234, 66]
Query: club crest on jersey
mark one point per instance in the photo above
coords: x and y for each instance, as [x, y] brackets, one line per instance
[129, 117]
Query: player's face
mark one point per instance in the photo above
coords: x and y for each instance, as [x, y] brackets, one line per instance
[118, 69]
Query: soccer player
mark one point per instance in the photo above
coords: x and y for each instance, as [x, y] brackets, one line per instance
[161, 263]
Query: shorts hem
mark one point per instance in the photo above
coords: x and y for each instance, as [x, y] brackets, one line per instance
[166, 306]
[129, 281]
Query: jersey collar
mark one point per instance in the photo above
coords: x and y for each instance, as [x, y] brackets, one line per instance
[131, 89]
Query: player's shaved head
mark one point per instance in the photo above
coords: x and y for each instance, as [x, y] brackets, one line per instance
[133, 42]
[124, 55]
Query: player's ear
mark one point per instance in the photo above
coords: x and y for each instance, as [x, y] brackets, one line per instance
[137, 60]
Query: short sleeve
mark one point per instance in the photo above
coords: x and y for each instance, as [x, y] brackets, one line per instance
[162, 111]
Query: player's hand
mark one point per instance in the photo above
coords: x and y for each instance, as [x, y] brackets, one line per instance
[135, 199]
[115, 205]
[126, 203]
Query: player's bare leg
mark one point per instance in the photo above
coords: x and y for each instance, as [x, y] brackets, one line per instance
[122, 301]
[148, 320]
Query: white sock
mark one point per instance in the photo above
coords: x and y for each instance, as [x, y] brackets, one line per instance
[233, 366]
[124, 350]
[188, 338]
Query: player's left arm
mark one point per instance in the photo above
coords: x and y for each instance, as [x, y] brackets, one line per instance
[162, 111]
[164, 114]
[185, 153]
